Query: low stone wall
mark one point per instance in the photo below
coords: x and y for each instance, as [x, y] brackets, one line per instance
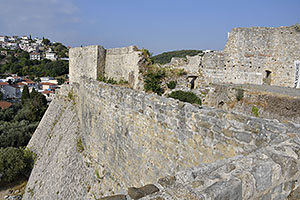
[271, 102]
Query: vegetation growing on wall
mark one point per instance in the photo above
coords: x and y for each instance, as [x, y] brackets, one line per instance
[152, 78]
[172, 84]
[186, 97]
[166, 57]
[255, 111]
[239, 94]
[297, 27]
[111, 80]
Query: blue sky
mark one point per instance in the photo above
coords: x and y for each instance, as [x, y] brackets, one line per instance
[158, 25]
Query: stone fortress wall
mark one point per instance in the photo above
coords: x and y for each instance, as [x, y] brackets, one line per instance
[131, 139]
[99, 140]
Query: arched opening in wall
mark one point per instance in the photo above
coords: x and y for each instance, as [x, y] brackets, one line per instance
[267, 78]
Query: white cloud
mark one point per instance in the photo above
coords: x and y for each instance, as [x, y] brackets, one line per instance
[38, 17]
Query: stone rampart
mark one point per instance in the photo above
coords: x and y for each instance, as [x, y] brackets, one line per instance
[130, 139]
[117, 63]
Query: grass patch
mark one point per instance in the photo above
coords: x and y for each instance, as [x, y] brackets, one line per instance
[79, 145]
[255, 111]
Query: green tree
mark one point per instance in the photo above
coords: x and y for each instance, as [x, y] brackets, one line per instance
[25, 95]
[37, 106]
[46, 41]
[14, 163]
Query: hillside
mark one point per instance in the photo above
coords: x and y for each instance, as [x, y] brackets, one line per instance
[166, 57]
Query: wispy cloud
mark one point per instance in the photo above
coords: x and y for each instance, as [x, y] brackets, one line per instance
[38, 17]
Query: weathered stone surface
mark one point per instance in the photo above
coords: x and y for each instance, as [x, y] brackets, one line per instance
[263, 176]
[137, 193]
[243, 136]
[224, 190]
[115, 197]
[167, 181]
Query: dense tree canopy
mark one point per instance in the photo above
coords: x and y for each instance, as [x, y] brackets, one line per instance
[18, 122]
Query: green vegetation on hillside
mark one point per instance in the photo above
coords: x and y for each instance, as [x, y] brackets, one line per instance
[166, 57]
[18, 62]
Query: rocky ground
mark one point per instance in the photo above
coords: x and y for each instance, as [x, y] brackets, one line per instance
[13, 191]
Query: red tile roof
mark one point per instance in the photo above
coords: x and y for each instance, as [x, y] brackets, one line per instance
[5, 104]
[47, 92]
[46, 83]
[35, 53]
[20, 83]
[28, 81]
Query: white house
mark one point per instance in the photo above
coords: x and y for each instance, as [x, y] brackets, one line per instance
[51, 56]
[25, 37]
[48, 86]
[3, 38]
[49, 80]
[35, 56]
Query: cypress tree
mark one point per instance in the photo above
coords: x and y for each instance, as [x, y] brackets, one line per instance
[25, 95]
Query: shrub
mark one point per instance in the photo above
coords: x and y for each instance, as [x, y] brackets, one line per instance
[107, 80]
[255, 111]
[123, 82]
[172, 84]
[181, 72]
[185, 96]
[15, 163]
[152, 80]
[297, 27]
[111, 81]
[239, 94]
